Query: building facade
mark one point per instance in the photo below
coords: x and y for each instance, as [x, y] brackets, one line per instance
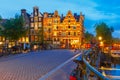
[63, 31]
[36, 27]
[55, 30]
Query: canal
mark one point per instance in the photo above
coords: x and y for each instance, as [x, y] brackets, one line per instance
[110, 66]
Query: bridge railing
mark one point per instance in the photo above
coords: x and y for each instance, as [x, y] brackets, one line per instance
[90, 68]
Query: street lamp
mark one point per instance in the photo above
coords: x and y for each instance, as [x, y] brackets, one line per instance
[100, 38]
[101, 42]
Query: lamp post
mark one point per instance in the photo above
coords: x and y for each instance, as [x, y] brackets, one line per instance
[101, 42]
[100, 38]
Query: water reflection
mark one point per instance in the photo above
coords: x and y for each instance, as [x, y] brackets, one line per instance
[111, 67]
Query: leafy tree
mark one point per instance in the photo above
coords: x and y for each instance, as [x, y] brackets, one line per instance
[0, 18]
[88, 37]
[0, 25]
[105, 32]
[14, 28]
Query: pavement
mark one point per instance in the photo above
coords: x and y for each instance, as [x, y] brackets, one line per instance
[35, 65]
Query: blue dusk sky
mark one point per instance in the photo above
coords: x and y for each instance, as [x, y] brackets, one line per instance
[95, 11]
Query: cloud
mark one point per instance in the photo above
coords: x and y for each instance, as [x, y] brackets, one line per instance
[95, 11]
[116, 33]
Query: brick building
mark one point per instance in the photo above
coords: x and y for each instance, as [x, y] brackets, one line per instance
[56, 30]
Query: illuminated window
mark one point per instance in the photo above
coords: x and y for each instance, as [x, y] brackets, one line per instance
[49, 24]
[23, 39]
[32, 38]
[45, 29]
[40, 25]
[55, 27]
[35, 19]
[3, 39]
[36, 26]
[36, 38]
[55, 21]
[63, 34]
[32, 25]
[31, 19]
[55, 34]
[27, 39]
[39, 19]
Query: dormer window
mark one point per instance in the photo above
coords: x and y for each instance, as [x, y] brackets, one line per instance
[39, 19]
[31, 19]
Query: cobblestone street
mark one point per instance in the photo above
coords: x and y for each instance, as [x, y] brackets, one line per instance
[34, 65]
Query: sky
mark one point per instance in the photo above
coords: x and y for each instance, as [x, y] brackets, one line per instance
[95, 11]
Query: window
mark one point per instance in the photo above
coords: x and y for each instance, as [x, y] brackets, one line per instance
[32, 25]
[63, 34]
[49, 30]
[40, 25]
[32, 32]
[49, 38]
[35, 19]
[55, 34]
[59, 33]
[32, 19]
[68, 20]
[39, 19]
[36, 38]
[32, 38]
[56, 39]
[45, 29]
[68, 26]
[74, 33]
[36, 26]
[74, 27]
[55, 21]
[55, 27]
[68, 33]
[49, 24]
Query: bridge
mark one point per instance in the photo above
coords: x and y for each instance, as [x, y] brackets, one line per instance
[89, 63]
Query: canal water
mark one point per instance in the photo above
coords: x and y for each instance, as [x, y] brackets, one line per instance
[112, 67]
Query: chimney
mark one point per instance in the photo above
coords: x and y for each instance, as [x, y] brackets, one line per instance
[23, 12]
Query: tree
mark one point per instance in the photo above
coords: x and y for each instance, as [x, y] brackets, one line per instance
[1, 27]
[88, 37]
[105, 32]
[0, 18]
[14, 29]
